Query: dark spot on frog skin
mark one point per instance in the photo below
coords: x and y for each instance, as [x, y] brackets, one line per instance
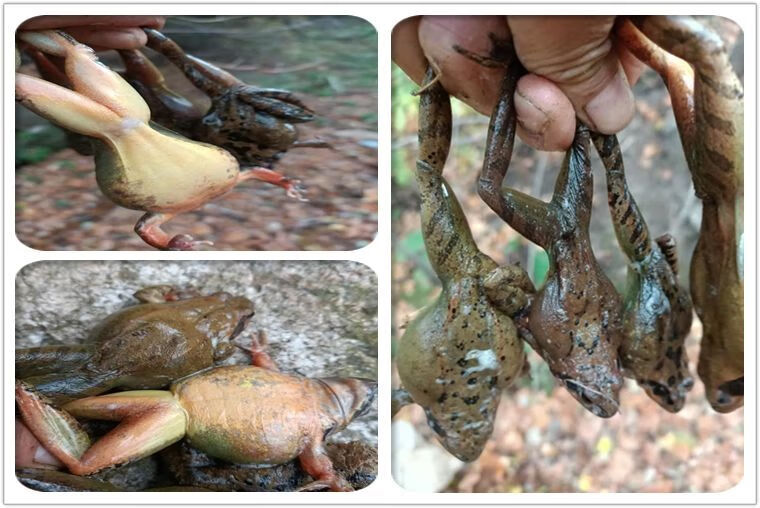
[492, 382]
[471, 400]
[671, 380]
[660, 365]
[434, 424]
[472, 381]
[502, 358]
[461, 362]
[443, 398]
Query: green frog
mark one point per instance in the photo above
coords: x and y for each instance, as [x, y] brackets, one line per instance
[575, 321]
[458, 354]
[708, 105]
[657, 310]
[170, 334]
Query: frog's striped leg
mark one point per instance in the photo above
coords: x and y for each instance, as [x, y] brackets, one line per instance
[35, 361]
[517, 209]
[450, 247]
[630, 227]
[150, 421]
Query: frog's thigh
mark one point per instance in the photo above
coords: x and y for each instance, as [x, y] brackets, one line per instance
[135, 437]
[317, 464]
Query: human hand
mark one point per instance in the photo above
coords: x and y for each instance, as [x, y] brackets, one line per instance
[574, 67]
[100, 32]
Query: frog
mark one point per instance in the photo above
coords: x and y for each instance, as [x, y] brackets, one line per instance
[170, 334]
[255, 124]
[459, 353]
[138, 165]
[224, 411]
[575, 321]
[657, 310]
[708, 105]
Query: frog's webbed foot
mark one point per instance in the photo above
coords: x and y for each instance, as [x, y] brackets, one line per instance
[293, 187]
[317, 464]
[149, 229]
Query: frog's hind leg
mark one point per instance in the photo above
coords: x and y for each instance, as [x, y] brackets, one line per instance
[150, 420]
[36, 361]
[64, 385]
[205, 76]
[292, 186]
[149, 229]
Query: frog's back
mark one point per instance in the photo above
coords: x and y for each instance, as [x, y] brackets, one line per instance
[144, 342]
[246, 414]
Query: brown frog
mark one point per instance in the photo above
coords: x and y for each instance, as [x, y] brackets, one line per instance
[708, 105]
[459, 353]
[255, 124]
[226, 412]
[169, 335]
[657, 311]
[575, 321]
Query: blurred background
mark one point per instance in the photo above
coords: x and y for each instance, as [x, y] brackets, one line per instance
[543, 440]
[330, 62]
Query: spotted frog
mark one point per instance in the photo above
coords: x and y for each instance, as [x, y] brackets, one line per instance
[459, 353]
[575, 322]
[708, 104]
[170, 334]
[657, 310]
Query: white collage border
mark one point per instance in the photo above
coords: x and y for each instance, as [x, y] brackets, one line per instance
[377, 255]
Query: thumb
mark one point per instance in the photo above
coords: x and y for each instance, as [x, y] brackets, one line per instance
[577, 54]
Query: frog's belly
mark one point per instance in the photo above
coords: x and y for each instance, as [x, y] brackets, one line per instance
[248, 415]
[160, 173]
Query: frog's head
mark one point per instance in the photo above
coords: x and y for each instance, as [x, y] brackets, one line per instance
[596, 387]
[349, 398]
[461, 437]
[727, 396]
[671, 394]
[222, 315]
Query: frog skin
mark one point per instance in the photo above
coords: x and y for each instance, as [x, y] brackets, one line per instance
[459, 353]
[575, 322]
[708, 106]
[254, 124]
[138, 165]
[657, 311]
[149, 345]
[226, 412]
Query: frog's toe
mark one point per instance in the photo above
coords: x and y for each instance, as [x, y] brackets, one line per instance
[186, 242]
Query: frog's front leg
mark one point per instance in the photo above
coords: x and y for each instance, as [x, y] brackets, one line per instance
[149, 229]
[258, 350]
[293, 187]
[317, 464]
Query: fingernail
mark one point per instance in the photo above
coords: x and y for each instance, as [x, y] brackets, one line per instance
[42, 456]
[531, 118]
[613, 106]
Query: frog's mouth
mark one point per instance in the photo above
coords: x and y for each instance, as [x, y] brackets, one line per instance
[601, 404]
[671, 399]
